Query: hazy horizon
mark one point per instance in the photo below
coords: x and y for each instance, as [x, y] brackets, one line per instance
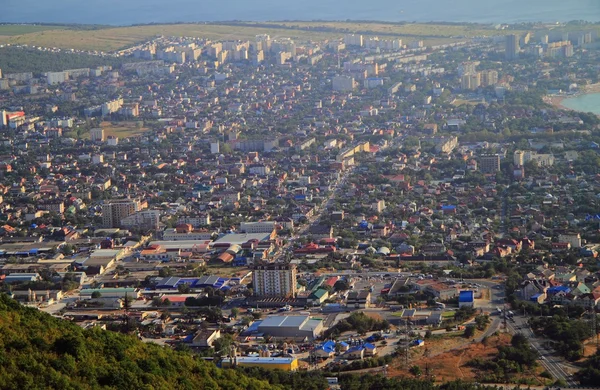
[117, 12]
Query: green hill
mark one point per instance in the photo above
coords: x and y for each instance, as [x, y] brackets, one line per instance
[38, 351]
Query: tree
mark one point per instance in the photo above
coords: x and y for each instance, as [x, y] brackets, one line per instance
[416, 371]
[482, 321]
[96, 295]
[157, 302]
[234, 312]
[469, 331]
[184, 288]
[341, 285]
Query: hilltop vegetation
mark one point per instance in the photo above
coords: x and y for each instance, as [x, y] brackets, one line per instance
[41, 352]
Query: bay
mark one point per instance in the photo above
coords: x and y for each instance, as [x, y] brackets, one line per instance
[126, 12]
[584, 103]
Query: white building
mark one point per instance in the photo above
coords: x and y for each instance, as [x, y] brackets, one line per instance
[257, 227]
[343, 83]
[147, 219]
[97, 134]
[112, 106]
[54, 78]
[572, 238]
[195, 235]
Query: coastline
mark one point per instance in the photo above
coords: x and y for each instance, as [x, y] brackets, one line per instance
[557, 100]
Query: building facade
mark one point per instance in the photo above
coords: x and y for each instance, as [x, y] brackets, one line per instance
[274, 280]
[115, 210]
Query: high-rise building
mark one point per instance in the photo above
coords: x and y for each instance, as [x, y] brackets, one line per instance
[511, 47]
[353, 40]
[471, 81]
[114, 210]
[146, 219]
[489, 77]
[274, 280]
[489, 163]
[343, 83]
[97, 134]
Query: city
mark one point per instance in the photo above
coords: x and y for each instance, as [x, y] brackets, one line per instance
[357, 205]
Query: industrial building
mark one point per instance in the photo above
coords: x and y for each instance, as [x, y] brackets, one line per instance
[288, 327]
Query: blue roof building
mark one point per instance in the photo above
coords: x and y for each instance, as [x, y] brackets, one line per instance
[466, 298]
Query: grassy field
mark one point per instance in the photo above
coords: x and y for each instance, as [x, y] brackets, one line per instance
[109, 39]
[409, 29]
[122, 129]
[114, 38]
[20, 29]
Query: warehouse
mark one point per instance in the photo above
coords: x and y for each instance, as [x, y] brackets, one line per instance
[292, 327]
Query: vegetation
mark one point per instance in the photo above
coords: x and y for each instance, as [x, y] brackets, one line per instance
[15, 59]
[367, 363]
[359, 322]
[589, 375]
[567, 335]
[510, 360]
[42, 352]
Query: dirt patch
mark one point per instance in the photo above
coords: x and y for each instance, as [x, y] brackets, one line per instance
[452, 364]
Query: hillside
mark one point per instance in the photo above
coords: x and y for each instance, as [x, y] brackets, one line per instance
[40, 352]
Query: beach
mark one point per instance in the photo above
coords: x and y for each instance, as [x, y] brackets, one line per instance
[557, 100]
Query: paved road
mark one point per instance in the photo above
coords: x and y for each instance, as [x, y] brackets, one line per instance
[548, 359]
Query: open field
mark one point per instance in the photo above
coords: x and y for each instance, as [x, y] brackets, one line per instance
[110, 39]
[122, 129]
[408, 29]
[20, 29]
[452, 364]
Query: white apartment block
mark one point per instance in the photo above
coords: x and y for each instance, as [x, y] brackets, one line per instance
[148, 219]
[354, 40]
[343, 83]
[112, 106]
[97, 134]
[54, 78]
[520, 157]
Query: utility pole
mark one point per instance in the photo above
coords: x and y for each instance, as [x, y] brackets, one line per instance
[595, 327]
[407, 347]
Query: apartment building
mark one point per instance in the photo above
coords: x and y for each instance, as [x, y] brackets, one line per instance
[274, 280]
[489, 163]
[146, 219]
[115, 210]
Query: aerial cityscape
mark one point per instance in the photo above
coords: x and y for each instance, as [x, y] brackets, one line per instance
[300, 205]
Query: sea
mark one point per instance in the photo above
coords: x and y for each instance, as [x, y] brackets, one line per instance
[127, 12]
[584, 103]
